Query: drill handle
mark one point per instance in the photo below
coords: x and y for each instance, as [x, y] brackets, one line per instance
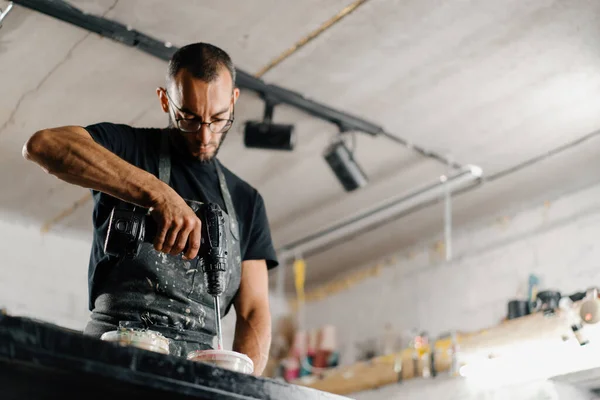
[213, 247]
[214, 233]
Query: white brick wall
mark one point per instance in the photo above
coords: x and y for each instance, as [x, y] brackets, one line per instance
[44, 276]
[558, 241]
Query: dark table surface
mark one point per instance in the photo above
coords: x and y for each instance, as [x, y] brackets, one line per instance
[40, 360]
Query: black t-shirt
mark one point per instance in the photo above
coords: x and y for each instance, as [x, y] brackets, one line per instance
[191, 179]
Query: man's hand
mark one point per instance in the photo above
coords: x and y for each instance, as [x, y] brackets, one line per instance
[178, 227]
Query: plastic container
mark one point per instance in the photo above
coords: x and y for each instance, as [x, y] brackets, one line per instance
[143, 339]
[291, 368]
[230, 360]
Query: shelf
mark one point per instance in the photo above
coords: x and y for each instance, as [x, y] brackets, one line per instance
[506, 338]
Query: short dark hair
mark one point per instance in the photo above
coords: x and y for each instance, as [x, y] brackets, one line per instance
[202, 60]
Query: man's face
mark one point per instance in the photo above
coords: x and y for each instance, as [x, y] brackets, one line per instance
[189, 101]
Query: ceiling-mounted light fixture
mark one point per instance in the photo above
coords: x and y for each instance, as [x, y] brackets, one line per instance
[267, 135]
[341, 160]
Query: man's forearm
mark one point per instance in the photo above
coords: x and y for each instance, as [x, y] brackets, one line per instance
[253, 338]
[76, 159]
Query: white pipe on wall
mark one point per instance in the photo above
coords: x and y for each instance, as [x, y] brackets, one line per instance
[448, 221]
[467, 176]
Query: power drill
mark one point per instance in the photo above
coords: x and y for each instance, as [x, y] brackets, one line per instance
[213, 256]
[129, 227]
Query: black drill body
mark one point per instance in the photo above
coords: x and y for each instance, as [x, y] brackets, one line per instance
[213, 248]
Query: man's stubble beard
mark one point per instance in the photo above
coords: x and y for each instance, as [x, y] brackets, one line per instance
[183, 144]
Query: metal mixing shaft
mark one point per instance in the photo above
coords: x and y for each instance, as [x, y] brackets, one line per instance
[218, 322]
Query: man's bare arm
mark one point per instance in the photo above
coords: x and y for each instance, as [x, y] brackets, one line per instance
[70, 154]
[253, 324]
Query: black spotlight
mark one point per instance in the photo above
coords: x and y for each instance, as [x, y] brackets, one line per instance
[348, 172]
[263, 135]
[267, 135]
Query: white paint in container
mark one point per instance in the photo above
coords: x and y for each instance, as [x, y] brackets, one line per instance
[226, 359]
[143, 339]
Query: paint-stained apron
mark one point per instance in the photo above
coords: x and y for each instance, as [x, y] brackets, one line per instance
[165, 293]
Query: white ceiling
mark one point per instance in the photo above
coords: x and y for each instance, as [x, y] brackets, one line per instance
[491, 83]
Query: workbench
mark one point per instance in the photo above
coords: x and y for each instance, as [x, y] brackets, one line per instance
[40, 360]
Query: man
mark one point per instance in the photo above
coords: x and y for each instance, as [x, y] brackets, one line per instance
[168, 171]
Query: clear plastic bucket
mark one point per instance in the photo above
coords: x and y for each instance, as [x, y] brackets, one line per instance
[143, 339]
[230, 360]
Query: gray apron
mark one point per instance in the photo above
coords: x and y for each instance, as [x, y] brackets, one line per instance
[165, 293]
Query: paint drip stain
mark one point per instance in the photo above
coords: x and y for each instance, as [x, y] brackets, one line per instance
[202, 318]
[150, 298]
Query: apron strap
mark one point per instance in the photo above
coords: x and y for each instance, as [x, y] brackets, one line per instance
[164, 162]
[234, 226]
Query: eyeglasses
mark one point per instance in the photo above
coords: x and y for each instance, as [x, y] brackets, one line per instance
[192, 125]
